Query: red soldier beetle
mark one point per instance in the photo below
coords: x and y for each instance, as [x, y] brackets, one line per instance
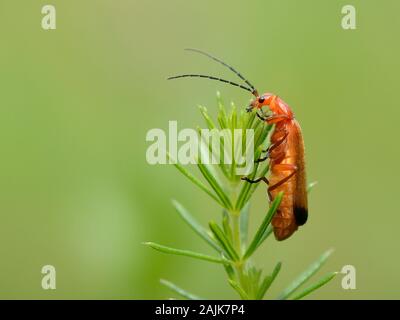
[285, 153]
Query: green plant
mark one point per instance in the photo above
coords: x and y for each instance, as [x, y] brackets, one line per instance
[230, 239]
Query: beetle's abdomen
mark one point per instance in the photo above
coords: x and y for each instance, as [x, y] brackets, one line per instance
[293, 211]
[284, 221]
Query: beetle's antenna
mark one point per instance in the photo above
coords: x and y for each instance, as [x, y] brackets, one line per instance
[212, 78]
[253, 91]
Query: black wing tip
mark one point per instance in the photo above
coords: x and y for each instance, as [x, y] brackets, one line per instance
[300, 215]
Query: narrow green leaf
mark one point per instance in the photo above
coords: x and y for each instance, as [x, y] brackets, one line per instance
[268, 280]
[230, 271]
[254, 276]
[242, 125]
[223, 197]
[239, 290]
[254, 186]
[257, 125]
[232, 125]
[266, 234]
[233, 151]
[222, 117]
[192, 223]
[251, 116]
[221, 121]
[240, 202]
[226, 225]
[258, 129]
[248, 189]
[223, 240]
[266, 128]
[233, 119]
[186, 253]
[196, 181]
[213, 152]
[243, 194]
[315, 286]
[183, 293]
[244, 224]
[311, 270]
[261, 230]
[248, 119]
[243, 119]
[311, 185]
[207, 118]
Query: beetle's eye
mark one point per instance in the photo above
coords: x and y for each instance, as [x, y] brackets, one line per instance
[261, 100]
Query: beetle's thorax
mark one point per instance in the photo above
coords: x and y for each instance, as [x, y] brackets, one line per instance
[280, 107]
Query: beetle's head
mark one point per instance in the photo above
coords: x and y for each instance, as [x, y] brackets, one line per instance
[260, 101]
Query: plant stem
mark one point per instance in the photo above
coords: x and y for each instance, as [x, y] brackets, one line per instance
[240, 265]
[235, 216]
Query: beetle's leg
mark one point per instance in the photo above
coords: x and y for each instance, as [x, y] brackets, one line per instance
[276, 118]
[263, 158]
[260, 116]
[256, 181]
[283, 167]
[272, 119]
[277, 144]
[272, 147]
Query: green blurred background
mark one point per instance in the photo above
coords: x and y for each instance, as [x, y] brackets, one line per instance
[76, 104]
